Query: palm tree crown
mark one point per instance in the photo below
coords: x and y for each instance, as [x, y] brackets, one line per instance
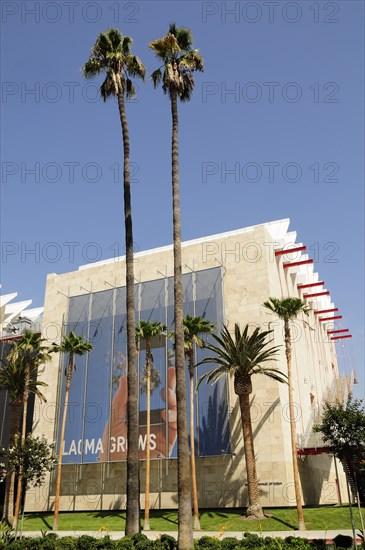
[287, 308]
[193, 328]
[27, 353]
[76, 345]
[179, 59]
[111, 54]
[241, 356]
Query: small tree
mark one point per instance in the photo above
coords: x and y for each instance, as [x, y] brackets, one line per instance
[146, 331]
[343, 429]
[194, 327]
[73, 345]
[34, 458]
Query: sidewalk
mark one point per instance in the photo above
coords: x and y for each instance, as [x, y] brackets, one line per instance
[327, 535]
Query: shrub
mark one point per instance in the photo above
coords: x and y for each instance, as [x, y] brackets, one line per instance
[165, 542]
[125, 543]
[229, 543]
[343, 541]
[318, 544]
[65, 543]
[207, 543]
[103, 544]
[84, 542]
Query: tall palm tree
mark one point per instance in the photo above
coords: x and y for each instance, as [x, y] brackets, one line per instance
[73, 345]
[111, 55]
[288, 309]
[12, 380]
[242, 358]
[194, 327]
[179, 61]
[29, 353]
[147, 330]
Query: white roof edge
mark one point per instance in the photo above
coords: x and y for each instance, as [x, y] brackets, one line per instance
[277, 230]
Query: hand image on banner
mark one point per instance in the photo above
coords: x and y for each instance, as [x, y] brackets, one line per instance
[116, 427]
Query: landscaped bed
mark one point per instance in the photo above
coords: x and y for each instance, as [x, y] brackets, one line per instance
[248, 541]
[282, 519]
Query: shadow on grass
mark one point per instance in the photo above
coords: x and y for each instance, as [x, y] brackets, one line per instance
[43, 518]
[284, 523]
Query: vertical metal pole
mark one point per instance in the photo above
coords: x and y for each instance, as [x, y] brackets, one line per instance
[337, 481]
[351, 514]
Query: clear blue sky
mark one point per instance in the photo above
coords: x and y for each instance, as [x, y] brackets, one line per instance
[297, 73]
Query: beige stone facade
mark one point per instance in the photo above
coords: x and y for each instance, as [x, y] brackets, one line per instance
[251, 272]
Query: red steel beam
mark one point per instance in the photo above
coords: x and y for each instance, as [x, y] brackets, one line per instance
[321, 319]
[309, 285]
[336, 331]
[325, 293]
[341, 337]
[319, 311]
[301, 262]
[283, 251]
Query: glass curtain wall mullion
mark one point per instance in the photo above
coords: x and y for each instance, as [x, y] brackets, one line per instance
[196, 408]
[166, 377]
[111, 373]
[60, 384]
[85, 382]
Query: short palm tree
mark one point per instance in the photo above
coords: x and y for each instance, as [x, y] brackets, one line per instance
[12, 380]
[194, 327]
[29, 353]
[146, 331]
[179, 61]
[73, 345]
[288, 309]
[242, 357]
[111, 55]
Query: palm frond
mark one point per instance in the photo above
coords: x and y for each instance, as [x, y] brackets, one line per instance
[156, 77]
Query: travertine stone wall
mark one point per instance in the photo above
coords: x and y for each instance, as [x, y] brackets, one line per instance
[251, 275]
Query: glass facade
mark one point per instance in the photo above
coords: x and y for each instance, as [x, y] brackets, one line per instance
[96, 420]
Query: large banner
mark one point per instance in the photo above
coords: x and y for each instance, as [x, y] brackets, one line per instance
[96, 428]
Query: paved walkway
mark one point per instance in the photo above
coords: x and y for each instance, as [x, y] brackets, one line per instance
[328, 535]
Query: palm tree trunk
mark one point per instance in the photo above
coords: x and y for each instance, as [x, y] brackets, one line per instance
[293, 435]
[148, 433]
[10, 478]
[192, 443]
[254, 504]
[22, 441]
[62, 438]
[133, 520]
[185, 533]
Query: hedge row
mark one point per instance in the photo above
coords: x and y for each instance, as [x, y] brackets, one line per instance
[249, 541]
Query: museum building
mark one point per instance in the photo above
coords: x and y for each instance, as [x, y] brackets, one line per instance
[226, 279]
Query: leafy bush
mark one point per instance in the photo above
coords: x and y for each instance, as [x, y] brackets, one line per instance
[343, 541]
[125, 543]
[65, 543]
[229, 543]
[207, 543]
[103, 544]
[165, 542]
[85, 542]
[318, 544]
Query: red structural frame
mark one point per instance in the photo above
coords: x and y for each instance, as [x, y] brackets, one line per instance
[336, 331]
[325, 293]
[319, 311]
[283, 251]
[309, 285]
[301, 262]
[342, 337]
[321, 319]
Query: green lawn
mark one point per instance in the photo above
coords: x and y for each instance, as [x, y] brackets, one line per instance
[283, 519]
